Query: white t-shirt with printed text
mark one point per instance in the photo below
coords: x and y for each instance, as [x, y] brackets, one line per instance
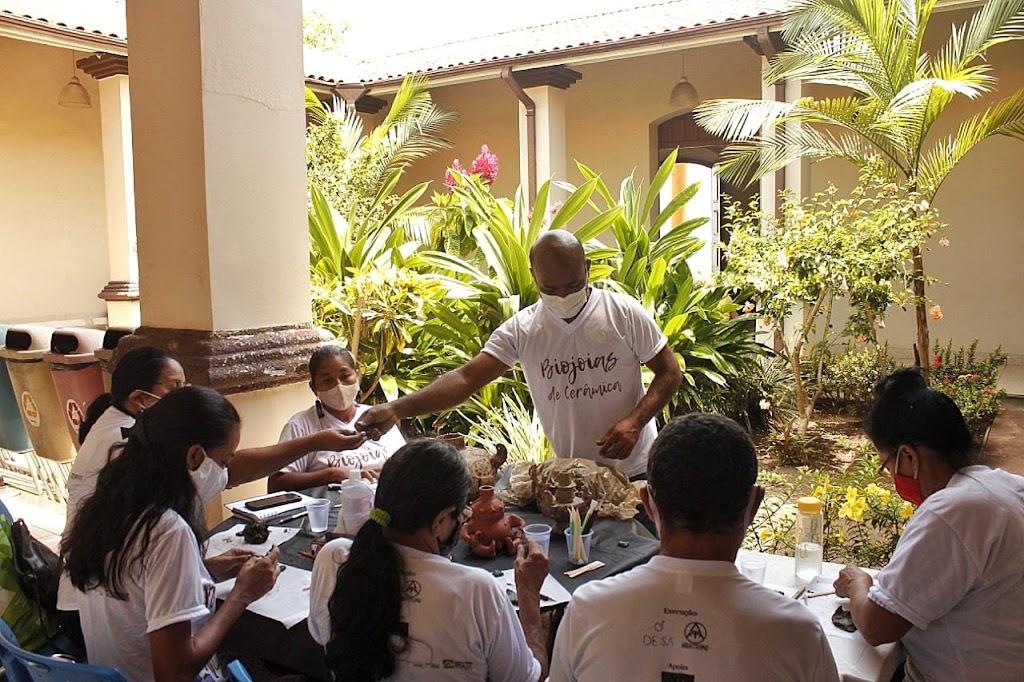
[173, 586]
[584, 376]
[370, 455]
[680, 619]
[957, 575]
[462, 626]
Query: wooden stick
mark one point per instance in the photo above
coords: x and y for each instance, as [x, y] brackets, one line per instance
[592, 566]
[812, 595]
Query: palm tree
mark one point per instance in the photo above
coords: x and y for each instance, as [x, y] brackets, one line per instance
[350, 165]
[897, 92]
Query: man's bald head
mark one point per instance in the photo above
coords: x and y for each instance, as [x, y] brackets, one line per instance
[558, 245]
[558, 263]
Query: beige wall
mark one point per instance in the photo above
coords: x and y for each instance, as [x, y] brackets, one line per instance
[53, 237]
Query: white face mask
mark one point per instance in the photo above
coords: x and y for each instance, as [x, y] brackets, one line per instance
[567, 307]
[210, 479]
[340, 397]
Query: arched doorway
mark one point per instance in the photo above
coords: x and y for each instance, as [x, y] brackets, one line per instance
[695, 162]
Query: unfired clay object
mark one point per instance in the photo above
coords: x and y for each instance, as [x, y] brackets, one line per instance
[530, 483]
[490, 530]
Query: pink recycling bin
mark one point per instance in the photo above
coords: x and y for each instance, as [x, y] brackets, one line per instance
[76, 373]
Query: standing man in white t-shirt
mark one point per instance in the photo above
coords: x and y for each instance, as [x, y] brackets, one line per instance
[581, 350]
[689, 614]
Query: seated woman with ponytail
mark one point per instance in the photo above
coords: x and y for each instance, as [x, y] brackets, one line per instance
[953, 591]
[145, 599]
[391, 604]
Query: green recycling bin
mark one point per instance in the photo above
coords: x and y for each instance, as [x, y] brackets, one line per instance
[37, 399]
[76, 372]
[13, 435]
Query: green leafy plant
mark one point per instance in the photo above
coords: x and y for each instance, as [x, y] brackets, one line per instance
[971, 382]
[357, 170]
[863, 517]
[648, 262]
[893, 94]
[850, 377]
[817, 250]
[514, 424]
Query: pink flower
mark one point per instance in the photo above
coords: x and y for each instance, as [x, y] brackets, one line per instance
[944, 241]
[936, 312]
[881, 324]
[449, 178]
[486, 165]
[937, 362]
[861, 338]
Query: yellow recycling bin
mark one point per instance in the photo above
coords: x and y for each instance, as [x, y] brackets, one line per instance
[33, 388]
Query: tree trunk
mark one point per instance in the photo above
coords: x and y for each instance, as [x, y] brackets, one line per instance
[923, 345]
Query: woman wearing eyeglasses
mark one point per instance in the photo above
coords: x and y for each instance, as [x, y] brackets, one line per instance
[953, 591]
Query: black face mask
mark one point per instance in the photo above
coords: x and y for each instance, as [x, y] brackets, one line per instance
[445, 548]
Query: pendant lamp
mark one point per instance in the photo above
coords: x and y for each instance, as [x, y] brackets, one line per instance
[74, 93]
[684, 95]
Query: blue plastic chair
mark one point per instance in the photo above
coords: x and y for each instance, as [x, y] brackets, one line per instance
[13, 669]
[237, 672]
[6, 513]
[24, 666]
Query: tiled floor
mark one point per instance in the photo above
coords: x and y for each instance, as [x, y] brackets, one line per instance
[45, 518]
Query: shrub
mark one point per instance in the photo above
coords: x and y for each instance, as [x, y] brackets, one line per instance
[970, 382]
[863, 516]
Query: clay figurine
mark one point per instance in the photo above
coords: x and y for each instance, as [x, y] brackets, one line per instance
[483, 466]
[489, 530]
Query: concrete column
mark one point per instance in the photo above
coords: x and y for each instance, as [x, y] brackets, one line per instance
[122, 291]
[551, 160]
[219, 132]
[546, 87]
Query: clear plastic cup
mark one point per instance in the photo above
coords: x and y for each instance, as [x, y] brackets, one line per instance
[579, 558]
[319, 512]
[754, 567]
[539, 533]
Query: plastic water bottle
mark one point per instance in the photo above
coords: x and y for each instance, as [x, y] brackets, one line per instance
[808, 539]
[356, 503]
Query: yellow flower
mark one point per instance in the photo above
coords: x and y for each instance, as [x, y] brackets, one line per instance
[851, 494]
[906, 511]
[854, 509]
[841, 538]
[881, 493]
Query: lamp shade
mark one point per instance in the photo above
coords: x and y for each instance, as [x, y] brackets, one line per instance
[74, 95]
[684, 96]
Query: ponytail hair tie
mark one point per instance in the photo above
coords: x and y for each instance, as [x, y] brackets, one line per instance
[380, 516]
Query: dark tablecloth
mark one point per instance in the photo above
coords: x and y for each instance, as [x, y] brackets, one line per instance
[294, 648]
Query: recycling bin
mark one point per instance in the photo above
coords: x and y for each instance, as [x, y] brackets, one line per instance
[76, 372]
[40, 408]
[104, 354]
[13, 435]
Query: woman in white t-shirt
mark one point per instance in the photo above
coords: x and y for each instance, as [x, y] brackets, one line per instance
[394, 606]
[334, 380]
[953, 591]
[145, 599]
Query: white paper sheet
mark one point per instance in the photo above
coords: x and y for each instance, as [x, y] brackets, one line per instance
[229, 539]
[287, 602]
[552, 590]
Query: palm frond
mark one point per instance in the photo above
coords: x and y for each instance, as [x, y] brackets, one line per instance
[1005, 118]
